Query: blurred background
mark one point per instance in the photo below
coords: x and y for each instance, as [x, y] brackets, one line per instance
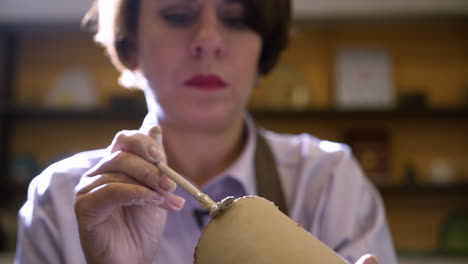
[390, 78]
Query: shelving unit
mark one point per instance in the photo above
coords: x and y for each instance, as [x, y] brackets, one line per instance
[11, 116]
[415, 131]
[310, 119]
[7, 73]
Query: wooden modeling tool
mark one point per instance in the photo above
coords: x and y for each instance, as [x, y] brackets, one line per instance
[205, 201]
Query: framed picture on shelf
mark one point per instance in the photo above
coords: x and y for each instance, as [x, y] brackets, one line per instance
[363, 79]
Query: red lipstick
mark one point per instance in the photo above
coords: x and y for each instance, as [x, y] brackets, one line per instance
[206, 82]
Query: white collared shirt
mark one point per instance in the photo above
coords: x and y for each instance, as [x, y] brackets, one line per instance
[325, 191]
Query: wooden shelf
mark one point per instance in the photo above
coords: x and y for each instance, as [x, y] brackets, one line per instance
[62, 115]
[38, 113]
[450, 189]
[452, 113]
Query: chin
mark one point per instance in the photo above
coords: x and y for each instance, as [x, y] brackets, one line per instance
[213, 121]
[203, 116]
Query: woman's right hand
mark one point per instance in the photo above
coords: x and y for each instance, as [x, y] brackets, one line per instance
[121, 203]
[368, 259]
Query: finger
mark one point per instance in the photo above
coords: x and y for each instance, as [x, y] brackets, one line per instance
[96, 206]
[134, 167]
[155, 133]
[146, 144]
[368, 259]
[140, 144]
[171, 201]
[88, 183]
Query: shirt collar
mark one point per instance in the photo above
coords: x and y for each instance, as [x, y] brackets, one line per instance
[151, 119]
[242, 170]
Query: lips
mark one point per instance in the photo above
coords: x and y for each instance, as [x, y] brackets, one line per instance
[206, 82]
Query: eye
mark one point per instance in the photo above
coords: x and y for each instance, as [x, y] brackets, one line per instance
[178, 18]
[236, 22]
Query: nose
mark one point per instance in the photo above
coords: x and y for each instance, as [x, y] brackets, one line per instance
[207, 40]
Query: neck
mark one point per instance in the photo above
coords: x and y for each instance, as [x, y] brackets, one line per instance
[201, 156]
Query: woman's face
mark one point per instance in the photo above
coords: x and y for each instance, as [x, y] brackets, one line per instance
[199, 59]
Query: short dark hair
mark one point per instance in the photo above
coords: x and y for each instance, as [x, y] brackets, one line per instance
[116, 31]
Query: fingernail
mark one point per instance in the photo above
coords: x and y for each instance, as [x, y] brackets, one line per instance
[154, 153]
[167, 184]
[157, 197]
[155, 131]
[368, 259]
[374, 260]
[177, 202]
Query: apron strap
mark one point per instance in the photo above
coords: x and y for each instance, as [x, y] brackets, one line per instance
[267, 175]
[267, 178]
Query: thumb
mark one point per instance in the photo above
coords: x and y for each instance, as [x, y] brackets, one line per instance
[368, 259]
[155, 132]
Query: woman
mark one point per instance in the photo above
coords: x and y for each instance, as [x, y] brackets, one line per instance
[197, 62]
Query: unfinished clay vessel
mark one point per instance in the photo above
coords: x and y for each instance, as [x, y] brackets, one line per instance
[253, 231]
